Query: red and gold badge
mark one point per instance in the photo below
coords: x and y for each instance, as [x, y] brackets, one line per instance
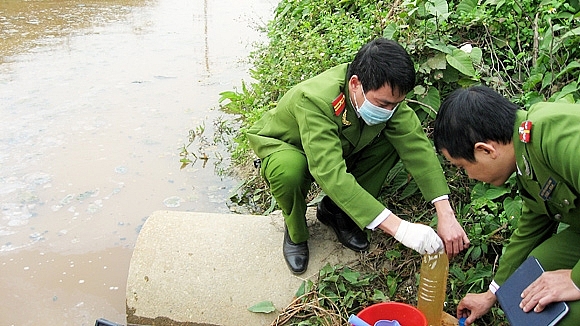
[525, 131]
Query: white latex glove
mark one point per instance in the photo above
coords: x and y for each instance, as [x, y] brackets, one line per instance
[421, 238]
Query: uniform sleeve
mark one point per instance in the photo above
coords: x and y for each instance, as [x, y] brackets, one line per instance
[559, 151]
[532, 229]
[555, 150]
[321, 143]
[406, 134]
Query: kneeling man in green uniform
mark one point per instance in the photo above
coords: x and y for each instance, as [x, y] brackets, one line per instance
[346, 129]
[482, 132]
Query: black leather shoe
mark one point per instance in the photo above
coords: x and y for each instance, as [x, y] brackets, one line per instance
[348, 233]
[295, 254]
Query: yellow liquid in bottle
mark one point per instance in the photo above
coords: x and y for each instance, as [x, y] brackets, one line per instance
[432, 287]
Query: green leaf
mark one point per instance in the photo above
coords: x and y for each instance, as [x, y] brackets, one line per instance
[437, 61]
[438, 8]
[571, 66]
[440, 46]
[547, 80]
[433, 99]
[450, 75]
[466, 6]
[476, 253]
[532, 81]
[350, 276]
[390, 31]
[410, 190]
[575, 31]
[392, 283]
[513, 207]
[476, 55]
[302, 289]
[478, 190]
[419, 90]
[568, 89]
[399, 180]
[496, 192]
[462, 62]
[265, 307]
[379, 296]
[392, 254]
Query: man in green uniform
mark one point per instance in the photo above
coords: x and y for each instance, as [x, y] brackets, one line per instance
[490, 138]
[346, 129]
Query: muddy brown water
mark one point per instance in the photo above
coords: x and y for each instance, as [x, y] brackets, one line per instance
[96, 99]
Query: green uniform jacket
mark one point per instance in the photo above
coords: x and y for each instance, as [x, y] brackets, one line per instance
[304, 120]
[548, 166]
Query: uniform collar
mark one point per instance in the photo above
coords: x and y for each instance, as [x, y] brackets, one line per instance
[522, 158]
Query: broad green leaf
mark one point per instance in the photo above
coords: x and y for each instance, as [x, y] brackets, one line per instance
[571, 66]
[476, 55]
[466, 6]
[265, 307]
[379, 296]
[410, 190]
[462, 62]
[476, 253]
[350, 276]
[400, 180]
[437, 61]
[575, 31]
[513, 207]
[547, 42]
[438, 8]
[440, 46]
[496, 192]
[390, 31]
[450, 75]
[568, 89]
[392, 283]
[301, 289]
[457, 272]
[478, 190]
[433, 100]
[532, 81]
[419, 90]
[547, 80]
[392, 254]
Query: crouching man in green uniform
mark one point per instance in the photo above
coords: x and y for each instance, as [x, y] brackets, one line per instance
[345, 129]
[490, 138]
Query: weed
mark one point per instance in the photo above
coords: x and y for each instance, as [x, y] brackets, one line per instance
[525, 49]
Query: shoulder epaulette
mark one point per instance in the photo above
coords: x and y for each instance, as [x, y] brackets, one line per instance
[339, 104]
[525, 131]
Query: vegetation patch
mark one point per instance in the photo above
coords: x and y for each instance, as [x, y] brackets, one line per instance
[527, 50]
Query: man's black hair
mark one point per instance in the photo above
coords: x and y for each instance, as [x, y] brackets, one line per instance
[383, 61]
[471, 115]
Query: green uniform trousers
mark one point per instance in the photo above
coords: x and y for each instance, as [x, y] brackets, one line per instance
[561, 252]
[287, 175]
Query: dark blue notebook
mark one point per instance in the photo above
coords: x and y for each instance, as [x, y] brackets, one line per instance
[509, 297]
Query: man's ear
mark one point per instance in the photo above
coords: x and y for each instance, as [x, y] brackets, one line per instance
[354, 82]
[485, 148]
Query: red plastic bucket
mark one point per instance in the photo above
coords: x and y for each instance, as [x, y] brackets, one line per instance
[405, 314]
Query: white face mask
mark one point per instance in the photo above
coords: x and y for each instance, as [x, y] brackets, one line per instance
[372, 114]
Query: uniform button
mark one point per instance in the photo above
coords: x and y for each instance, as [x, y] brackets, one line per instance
[558, 217]
[566, 202]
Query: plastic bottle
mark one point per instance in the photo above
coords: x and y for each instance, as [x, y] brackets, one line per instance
[432, 287]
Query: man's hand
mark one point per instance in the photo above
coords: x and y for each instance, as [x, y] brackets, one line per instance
[419, 237]
[550, 287]
[452, 234]
[474, 306]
